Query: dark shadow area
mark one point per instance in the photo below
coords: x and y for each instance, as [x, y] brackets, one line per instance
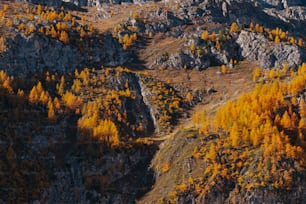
[138, 47]
[139, 181]
[73, 7]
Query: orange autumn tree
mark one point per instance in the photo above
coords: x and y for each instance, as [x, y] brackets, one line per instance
[234, 28]
[64, 37]
[33, 96]
[205, 35]
[51, 112]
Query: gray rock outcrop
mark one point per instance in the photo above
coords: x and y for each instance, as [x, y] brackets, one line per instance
[26, 55]
[284, 3]
[192, 60]
[255, 47]
[55, 3]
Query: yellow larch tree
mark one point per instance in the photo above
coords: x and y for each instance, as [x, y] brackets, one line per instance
[213, 37]
[234, 28]
[51, 113]
[33, 96]
[189, 97]
[223, 69]
[53, 32]
[277, 39]
[64, 37]
[205, 35]
[56, 103]
[44, 97]
[218, 45]
[286, 121]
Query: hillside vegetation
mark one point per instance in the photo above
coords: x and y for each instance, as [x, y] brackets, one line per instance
[253, 145]
[152, 102]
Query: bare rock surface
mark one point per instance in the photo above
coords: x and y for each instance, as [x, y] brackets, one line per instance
[26, 55]
[255, 47]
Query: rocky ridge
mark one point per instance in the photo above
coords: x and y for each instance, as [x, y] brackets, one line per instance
[199, 13]
[255, 47]
[39, 53]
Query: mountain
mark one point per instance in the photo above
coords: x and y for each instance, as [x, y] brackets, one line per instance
[153, 101]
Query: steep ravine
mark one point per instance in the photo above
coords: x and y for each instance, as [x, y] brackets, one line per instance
[153, 112]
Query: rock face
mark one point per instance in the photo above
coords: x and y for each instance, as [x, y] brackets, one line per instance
[98, 2]
[123, 186]
[47, 2]
[255, 47]
[296, 13]
[284, 3]
[26, 55]
[192, 60]
[138, 109]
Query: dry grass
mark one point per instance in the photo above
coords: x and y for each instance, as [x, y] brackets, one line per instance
[228, 86]
[119, 14]
[159, 45]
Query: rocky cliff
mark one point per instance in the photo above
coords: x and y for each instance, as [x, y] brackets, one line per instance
[37, 53]
[255, 47]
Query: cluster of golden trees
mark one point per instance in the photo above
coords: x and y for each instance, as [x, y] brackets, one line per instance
[215, 39]
[212, 38]
[103, 130]
[60, 24]
[277, 35]
[262, 106]
[102, 114]
[39, 95]
[206, 36]
[262, 132]
[166, 101]
[128, 40]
